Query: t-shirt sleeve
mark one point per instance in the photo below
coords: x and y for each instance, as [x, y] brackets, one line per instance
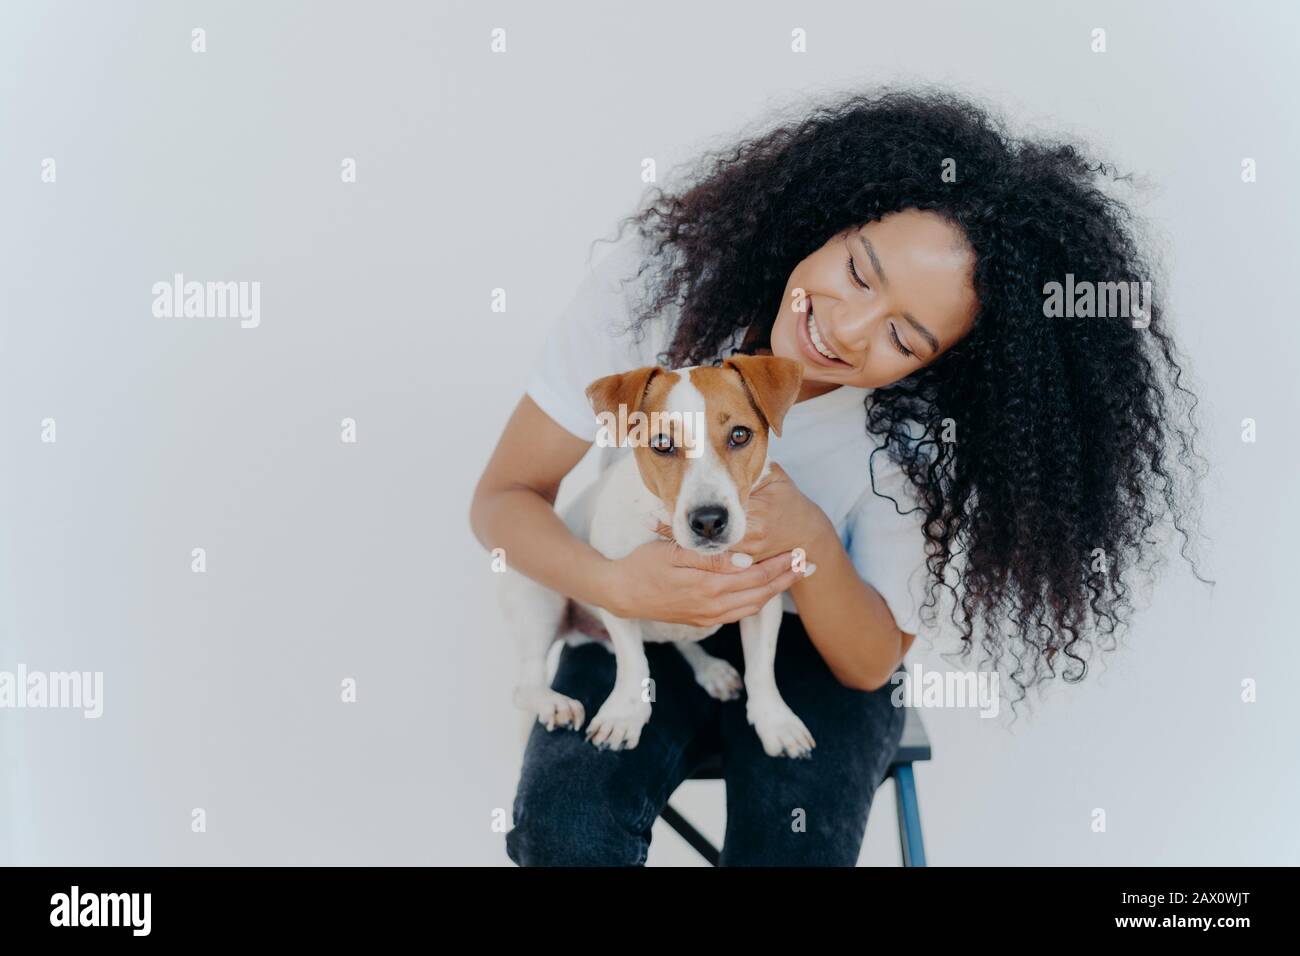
[887, 548]
[590, 339]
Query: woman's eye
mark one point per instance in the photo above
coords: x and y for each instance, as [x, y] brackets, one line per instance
[740, 436]
[853, 272]
[661, 444]
[898, 343]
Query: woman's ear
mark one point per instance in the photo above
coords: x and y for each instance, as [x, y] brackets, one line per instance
[626, 389]
[773, 384]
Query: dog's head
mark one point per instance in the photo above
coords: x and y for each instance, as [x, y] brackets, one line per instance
[700, 437]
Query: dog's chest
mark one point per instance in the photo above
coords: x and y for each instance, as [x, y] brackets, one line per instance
[657, 632]
[622, 519]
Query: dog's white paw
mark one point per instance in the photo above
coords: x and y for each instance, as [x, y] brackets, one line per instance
[618, 723]
[782, 732]
[552, 709]
[720, 679]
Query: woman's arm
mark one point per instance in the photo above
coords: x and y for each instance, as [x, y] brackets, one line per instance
[514, 506]
[514, 509]
[845, 617]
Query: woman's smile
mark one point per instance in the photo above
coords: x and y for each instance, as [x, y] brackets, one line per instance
[814, 342]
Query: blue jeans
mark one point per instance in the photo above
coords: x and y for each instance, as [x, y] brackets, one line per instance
[580, 806]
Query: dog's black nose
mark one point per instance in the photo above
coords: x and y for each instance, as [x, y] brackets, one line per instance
[709, 522]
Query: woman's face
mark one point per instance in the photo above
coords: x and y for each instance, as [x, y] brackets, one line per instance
[882, 300]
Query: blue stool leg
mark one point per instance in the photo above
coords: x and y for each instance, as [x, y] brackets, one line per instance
[909, 816]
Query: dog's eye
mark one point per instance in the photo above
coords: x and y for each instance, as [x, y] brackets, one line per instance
[661, 444]
[740, 436]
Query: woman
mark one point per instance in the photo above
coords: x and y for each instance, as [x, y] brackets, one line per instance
[954, 436]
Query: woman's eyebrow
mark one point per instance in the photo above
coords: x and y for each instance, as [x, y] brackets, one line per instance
[921, 330]
[875, 260]
[930, 340]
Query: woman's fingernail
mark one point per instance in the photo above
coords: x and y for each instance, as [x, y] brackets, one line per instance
[808, 570]
[741, 560]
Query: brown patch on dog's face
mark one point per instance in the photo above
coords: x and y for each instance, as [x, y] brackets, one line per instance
[662, 469]
[700, 438]
[772, 383]
[644, 390]
[736, 429]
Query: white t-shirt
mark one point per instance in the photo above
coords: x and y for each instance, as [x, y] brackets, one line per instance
[823, 446]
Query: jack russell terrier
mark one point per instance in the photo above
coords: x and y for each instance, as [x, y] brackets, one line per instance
[693, 474]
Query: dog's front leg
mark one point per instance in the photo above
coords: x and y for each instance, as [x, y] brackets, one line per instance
[617, 725]
[778, 727]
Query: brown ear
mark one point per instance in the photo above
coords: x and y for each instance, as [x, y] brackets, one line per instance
[626, 388]
[773, 384]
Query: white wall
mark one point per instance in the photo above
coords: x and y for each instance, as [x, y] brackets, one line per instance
[475, 171]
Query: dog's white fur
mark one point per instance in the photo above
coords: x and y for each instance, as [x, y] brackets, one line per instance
[617, 514]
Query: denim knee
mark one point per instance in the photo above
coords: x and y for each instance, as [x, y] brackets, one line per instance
[565, 818]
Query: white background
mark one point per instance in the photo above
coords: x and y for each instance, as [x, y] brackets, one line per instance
[478, 171]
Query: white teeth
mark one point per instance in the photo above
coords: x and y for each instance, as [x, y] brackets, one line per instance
[817, 340]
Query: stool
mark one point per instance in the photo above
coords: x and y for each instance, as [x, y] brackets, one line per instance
[914, 745]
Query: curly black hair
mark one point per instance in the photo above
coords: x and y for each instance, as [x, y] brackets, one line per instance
[1072, 434]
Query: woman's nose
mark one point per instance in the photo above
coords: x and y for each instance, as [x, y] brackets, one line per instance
[852, 327]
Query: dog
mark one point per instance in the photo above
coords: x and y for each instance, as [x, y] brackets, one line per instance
[699, 449]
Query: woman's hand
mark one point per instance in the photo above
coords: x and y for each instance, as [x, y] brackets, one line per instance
[780, 518]
[661, 581]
